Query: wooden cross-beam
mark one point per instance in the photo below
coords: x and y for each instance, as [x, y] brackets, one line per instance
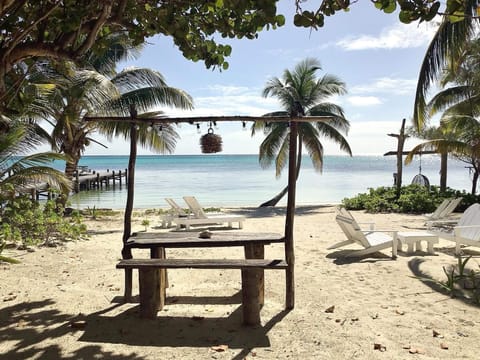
[197, 119]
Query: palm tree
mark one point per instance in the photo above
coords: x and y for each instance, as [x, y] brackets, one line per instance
[439, 140]
[459, 130]
[447, 45]
[100, 90]
[300, 92]
[18, 170]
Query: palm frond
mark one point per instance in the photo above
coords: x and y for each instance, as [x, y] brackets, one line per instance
[281, 158]
[446, 98]
[134, 78]
[447, 43]
[272, 143]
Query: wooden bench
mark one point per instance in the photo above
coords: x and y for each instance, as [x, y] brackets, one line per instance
[152, 283]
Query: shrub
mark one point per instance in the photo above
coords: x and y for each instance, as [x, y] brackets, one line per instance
[26, 222]
[413, 199]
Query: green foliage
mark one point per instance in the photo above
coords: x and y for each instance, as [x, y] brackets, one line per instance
[145, 223]
[413, 199]
[409, 10]
[95, 213]
[27, 223]
[210, 209]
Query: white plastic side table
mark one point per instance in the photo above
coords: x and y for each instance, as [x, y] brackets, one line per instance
[414, 238]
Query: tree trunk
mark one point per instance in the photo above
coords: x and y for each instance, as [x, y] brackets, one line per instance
[474, 181]
[70, 167]
[443, 171]
[274, 201]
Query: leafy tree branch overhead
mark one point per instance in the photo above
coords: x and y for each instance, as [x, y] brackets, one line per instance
[67, 29]
[408, 10]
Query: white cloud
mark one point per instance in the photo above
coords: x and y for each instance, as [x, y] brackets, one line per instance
[399, 36]
[364, 100]
[229, 100]
[228, 89]
[386, 85]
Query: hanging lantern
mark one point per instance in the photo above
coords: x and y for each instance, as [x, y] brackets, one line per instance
[210, 142]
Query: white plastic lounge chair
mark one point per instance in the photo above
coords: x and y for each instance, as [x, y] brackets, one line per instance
[198, 216]
[446, 225]
[174, 212]
[440, 208]
[372, 241]
[176, 209]
[450, 208]
[467, 229]
[443, 211]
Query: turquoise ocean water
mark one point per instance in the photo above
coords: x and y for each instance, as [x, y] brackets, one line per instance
[238, 180]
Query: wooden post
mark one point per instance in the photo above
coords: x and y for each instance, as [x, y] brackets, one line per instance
[289, 221]
[401, 137]
[99, 184]
[257, 251]
[127, 252]
[149, 293]
[159, 253]
[250, 295]
[253, 286]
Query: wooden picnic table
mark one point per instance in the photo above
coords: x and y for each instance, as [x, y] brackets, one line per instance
[253, 281]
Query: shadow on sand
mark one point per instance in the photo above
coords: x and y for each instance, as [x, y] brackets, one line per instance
[32, 327]
[436, 284]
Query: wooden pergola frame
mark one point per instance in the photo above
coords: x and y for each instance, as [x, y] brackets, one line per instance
[292, 164]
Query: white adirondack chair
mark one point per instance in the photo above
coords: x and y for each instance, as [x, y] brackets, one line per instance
[372, 241]
[467, 229]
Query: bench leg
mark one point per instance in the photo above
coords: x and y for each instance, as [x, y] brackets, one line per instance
[149, 293]
[250, 297]
[127, 296]
[159, 253]
[257, 251]
[253, 286]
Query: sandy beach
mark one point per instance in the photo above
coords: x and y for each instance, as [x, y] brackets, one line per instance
[65, 302]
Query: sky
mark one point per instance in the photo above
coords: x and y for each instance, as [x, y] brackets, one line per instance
[372, 52]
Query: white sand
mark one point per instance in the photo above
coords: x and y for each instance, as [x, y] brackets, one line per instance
[377, 301]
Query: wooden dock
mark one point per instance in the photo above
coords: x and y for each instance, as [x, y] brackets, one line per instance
[89, 180]
[83, 180]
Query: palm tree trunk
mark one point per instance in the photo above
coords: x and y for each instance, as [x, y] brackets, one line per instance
[274, 201]
[476, 173]
[443, 171]
[70, 167]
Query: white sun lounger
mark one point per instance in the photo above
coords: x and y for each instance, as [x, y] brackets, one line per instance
[199, 217]
[443, 211]
[372, 241]
[175, 212]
